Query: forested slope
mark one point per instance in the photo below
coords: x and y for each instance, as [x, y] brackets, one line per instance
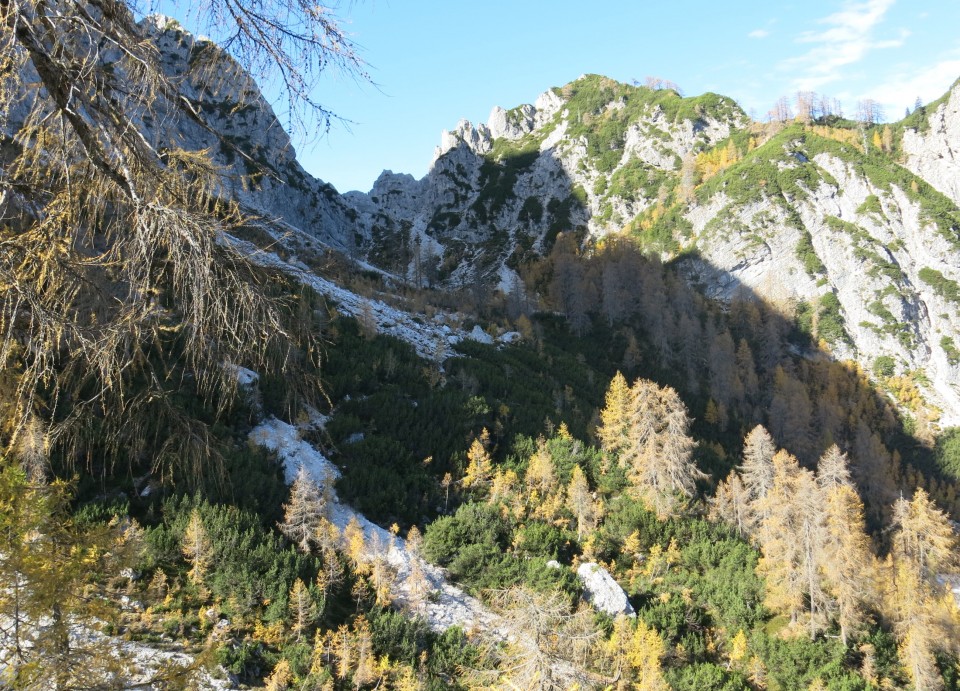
[778, 518]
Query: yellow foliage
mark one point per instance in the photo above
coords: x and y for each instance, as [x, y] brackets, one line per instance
[844, 136]
[270, 635]
[504, 486]
[479, 470]
[709, 163]
[906, 391]
[631, 545]
[356, 545]
[281, 677]
[738, 647]
[644, 655]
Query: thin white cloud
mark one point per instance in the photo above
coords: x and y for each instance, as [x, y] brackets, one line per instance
[758, 33]
[928, 83]
[846, 41]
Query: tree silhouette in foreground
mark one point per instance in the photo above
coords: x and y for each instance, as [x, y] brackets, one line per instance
[119, 284]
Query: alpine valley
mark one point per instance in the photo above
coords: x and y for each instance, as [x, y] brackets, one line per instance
[660, 396]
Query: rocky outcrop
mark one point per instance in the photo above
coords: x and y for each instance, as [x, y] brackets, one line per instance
[859, 249]
[932, 150]
[818, 226]
[601, 591]
[498, 193]
[241, 130]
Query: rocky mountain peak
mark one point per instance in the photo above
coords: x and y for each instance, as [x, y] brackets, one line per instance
[858, 233]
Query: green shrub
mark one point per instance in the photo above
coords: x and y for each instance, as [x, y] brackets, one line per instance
[808, 255]
[944, 287]
[871, 205]
[947, 452]
[830, 325]
[950, 348]
[884, 366]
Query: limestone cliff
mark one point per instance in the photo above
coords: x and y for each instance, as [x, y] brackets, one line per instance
[853, 229]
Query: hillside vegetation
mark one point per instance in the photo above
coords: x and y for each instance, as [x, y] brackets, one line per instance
[567, 380]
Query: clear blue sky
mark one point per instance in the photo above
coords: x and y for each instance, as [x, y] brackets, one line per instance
[437, 62]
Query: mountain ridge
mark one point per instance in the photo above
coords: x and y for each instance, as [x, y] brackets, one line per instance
[798, 241]
[838, 221]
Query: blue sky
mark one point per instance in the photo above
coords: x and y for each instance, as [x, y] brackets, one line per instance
[435, 62]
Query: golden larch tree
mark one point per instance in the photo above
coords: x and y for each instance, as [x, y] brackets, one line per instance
[302, 514]
[647, 427]
[479, 471]
[197, 548]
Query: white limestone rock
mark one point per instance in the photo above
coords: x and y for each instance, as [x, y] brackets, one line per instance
[250, 136]
[601, 591]
[934, 154]
[511, 124]
[480, 336]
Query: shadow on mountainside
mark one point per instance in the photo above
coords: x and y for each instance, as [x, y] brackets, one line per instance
[736, 365]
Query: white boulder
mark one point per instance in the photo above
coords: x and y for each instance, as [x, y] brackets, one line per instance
[601, 591]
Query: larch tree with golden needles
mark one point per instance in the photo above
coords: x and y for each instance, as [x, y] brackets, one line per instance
[330, 574]
[615, 416]
[303, 513]
[645, 656]
[634, 654]
[303, 609]
[925, 613]
[580, 502]
[417, 581]
[549, 646]
[49, 570]
[848, 565]
[541, 475]
[649, 429]
[197, 548]
[479, 471]
[731, 503]
[119, 282]
[757, 472]
[791, 535]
